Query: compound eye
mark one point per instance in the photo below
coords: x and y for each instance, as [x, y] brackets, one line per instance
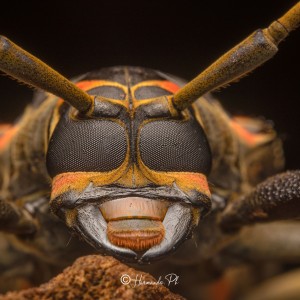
[86, 145]
[175, 146]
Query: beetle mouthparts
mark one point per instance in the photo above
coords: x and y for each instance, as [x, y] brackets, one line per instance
[135, 234]
[135, 222]
[136, 229]
[134, 207]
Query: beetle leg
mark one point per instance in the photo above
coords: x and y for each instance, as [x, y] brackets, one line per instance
[285, 286]
[20, 269]
[277, 198]
[276, 242]
[15, 220]
[16, 267]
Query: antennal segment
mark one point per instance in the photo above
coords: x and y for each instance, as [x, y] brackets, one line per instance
[23, 66]
[291, 20]
[243, 58]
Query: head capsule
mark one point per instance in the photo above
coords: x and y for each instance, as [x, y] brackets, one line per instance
[130, 176]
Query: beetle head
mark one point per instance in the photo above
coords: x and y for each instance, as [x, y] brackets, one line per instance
[131, 176]
[108, 156]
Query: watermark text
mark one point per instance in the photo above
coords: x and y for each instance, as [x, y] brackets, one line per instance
[139, 279]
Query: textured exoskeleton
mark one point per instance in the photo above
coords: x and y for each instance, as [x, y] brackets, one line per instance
[135, 162]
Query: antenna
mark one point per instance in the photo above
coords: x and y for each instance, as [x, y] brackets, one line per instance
[243, 58]
[23, 66]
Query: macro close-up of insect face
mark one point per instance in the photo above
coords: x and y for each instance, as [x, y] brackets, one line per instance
[128, 169]
[147, 167]
[135, 181]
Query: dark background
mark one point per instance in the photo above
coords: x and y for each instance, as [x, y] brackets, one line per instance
[180, 38]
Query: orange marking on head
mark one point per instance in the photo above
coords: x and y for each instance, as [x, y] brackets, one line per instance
[164, 84]
[186, 181]
[62, 182]
[90, 84]
[190, 181]
[169, 86]
[78, 181]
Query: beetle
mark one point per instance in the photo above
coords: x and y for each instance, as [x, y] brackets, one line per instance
[128, 152]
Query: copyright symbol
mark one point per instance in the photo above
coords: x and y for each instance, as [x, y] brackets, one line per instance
[125, 279]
